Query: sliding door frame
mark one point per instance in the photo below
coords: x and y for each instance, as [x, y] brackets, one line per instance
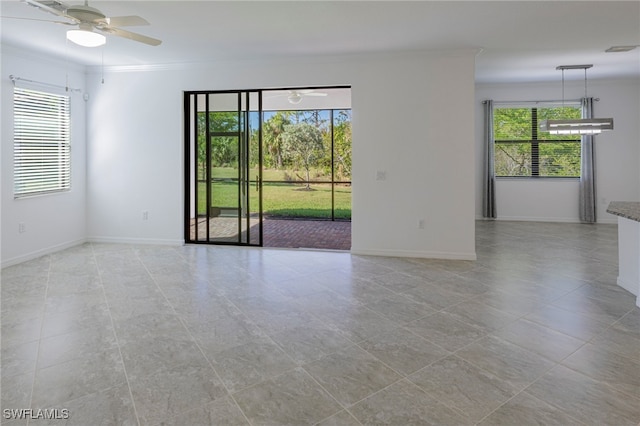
[243, 135]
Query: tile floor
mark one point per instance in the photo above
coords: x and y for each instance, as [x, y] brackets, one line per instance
[534, 332]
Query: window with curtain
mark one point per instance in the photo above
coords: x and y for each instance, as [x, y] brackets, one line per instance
[41, 145]
[521, 150]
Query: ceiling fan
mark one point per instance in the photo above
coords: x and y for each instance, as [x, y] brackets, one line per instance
[92, 24]
[295, 96]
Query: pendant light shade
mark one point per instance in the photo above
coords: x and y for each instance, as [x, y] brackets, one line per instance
[584, 126]
[85, 36]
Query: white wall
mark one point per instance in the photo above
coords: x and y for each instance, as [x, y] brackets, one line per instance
[417, 128]
[413, 117]
[52, 221]
[617, 153]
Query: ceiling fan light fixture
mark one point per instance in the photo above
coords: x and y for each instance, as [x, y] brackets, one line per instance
[294, 98]
[85, 36]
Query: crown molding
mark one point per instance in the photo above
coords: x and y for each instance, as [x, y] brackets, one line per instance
[32, 55]
[311, 59]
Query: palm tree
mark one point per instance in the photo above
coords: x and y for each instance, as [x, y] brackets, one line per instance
[272, 137]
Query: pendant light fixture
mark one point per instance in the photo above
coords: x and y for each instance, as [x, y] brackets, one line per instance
[583, 126]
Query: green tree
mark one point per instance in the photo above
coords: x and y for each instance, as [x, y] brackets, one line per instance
[513, 124]
[313, 116]
[274, 129]
[201, 145]
[515, 132]
[223, 149]
[342, 144]
[303, 142]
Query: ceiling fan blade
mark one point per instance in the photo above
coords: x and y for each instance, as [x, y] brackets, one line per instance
[308, 92]
[130, 35]
[38, 20]
[127, 21]
[52, 6]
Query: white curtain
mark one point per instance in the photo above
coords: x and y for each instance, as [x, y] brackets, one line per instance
[587, 170]
[489, 196]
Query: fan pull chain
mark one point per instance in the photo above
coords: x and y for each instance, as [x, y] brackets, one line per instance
[66, 63]
[102, 67]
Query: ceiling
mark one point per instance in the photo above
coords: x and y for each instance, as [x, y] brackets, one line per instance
[519, 41]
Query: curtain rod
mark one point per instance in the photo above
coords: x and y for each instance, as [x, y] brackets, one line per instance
[555, 101]
[14, 79]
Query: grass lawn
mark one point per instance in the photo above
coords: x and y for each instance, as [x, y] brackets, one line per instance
[293, 200]
[280, 199]
[267, 174]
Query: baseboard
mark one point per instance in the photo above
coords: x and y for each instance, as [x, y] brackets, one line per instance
[631, 287]
[42, 252]
[538, 219]
[613, 221]
[142, 241]
[49, 250]
[545, 219]
[416, 254]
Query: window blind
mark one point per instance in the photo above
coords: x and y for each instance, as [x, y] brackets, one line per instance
[522, 151]
[41, 147]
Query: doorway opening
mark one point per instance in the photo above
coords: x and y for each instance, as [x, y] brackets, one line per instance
[269, 167]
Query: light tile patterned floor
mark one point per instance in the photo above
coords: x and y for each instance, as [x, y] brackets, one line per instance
[534, 332]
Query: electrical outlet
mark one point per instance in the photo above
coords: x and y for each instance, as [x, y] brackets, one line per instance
[421, 223]
[22, 228]
[145, 215]
[381, 175]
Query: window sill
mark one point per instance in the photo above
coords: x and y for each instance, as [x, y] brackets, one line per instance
[559, 178]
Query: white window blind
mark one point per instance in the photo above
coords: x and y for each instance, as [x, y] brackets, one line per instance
[41, 146]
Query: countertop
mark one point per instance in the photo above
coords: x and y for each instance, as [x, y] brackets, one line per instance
[626, 209]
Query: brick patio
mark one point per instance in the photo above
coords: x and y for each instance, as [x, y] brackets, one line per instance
[318, 234]
[285, 233]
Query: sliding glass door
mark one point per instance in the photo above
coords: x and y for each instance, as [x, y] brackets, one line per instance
[223, 167]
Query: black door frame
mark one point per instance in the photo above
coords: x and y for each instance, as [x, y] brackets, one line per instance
[190, 131]
[244, 179]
